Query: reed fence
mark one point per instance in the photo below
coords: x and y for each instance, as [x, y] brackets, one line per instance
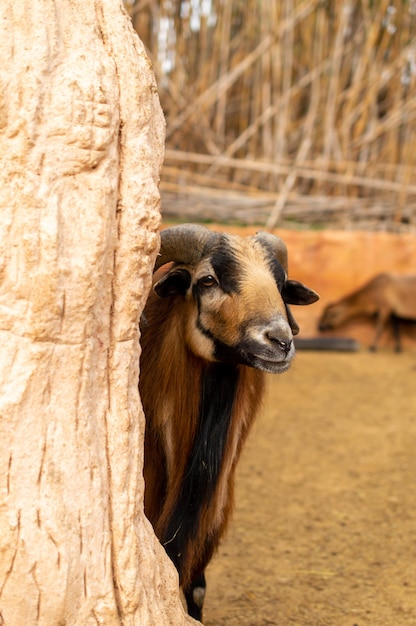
[286, 110]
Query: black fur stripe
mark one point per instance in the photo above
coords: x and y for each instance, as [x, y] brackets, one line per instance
[226, 267]
[275, 267]
[205, 461]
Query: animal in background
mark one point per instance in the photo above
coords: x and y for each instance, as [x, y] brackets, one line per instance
[217, 319]
[387, 297]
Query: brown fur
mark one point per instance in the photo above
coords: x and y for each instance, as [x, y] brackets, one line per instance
[167, 400]
[161, 343]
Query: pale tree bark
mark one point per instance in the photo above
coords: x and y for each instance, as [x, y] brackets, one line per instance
[81, 150]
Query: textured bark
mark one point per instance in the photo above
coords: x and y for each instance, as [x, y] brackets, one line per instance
[81, 149]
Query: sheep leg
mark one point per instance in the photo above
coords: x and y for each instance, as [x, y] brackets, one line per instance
[396, 333]
[195, 595]
[381, 322]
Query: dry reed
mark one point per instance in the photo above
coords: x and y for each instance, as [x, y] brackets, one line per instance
[296, 103]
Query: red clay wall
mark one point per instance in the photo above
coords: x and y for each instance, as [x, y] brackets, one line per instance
[335, 263]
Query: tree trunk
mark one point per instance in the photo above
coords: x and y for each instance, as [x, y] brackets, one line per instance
[81, 150]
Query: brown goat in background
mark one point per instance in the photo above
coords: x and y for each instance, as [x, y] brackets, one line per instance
[215, 321]
[386, 297]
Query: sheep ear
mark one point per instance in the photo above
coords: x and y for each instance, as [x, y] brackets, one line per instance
[173, 283]
[292, 322]
[295, 292]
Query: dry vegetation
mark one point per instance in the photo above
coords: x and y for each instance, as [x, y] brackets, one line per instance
[300, 110]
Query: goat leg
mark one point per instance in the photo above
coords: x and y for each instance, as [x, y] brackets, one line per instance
[380, 325]
[195, 596]
[396, 333]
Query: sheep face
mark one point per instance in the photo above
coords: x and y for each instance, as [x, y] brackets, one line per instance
[333, 316]
[235, 305]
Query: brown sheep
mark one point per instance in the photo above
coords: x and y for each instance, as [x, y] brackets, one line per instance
[216, 320]
[387, 297]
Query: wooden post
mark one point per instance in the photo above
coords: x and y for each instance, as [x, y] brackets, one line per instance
[82, 136]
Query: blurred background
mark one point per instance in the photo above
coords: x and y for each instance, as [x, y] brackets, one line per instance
[286, 112]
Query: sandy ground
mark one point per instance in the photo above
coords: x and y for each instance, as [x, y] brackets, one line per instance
[324, 529]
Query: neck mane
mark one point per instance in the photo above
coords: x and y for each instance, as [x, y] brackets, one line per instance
[218, 391]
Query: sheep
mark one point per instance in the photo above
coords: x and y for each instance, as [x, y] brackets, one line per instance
[387, 297]
[216, 320]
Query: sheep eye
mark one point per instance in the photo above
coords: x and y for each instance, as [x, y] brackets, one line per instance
[207, 281]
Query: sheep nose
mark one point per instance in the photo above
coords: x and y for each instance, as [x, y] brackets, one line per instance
[274, 336]
[284, 345]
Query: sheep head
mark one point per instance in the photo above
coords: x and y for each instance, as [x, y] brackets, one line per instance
[234, 295]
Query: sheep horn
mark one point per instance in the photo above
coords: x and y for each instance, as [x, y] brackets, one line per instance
[276, 245]
[185, 243]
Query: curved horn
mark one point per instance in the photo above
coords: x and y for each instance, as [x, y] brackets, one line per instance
[185, 243]
[276, 245]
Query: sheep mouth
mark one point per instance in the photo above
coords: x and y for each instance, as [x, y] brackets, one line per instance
[267, 360]
[272, 365]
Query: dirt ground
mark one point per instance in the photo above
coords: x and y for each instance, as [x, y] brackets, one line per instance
[324, 529]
